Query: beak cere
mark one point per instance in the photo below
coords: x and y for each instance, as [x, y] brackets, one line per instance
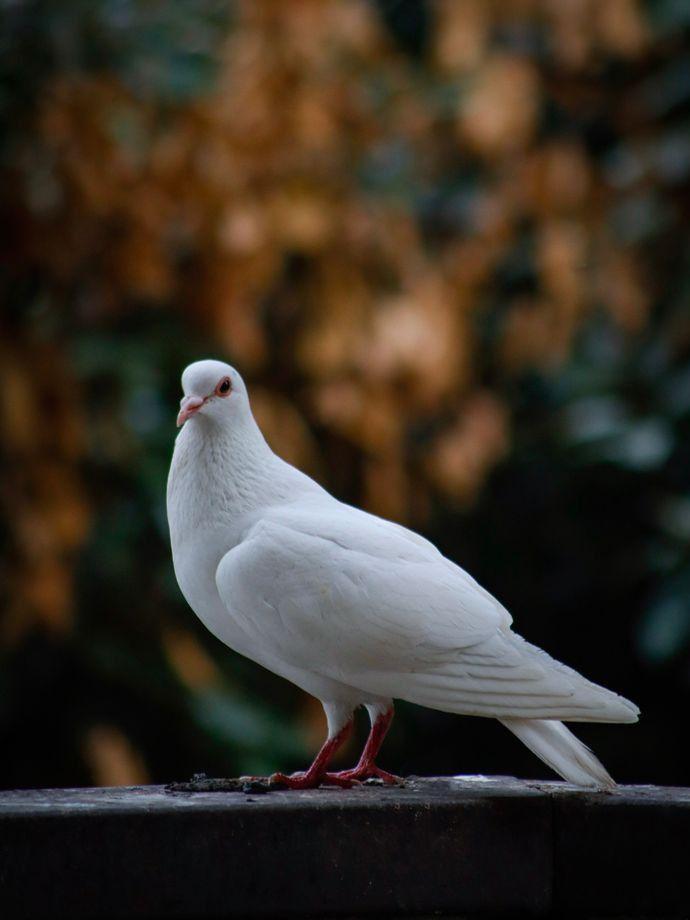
[188, 406]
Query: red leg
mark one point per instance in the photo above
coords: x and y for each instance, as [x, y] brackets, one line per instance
[366, 768]
[316, 774]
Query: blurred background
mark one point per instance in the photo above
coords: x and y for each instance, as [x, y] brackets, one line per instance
[446, 242]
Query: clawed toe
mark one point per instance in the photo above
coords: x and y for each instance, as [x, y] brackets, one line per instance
[292, 780]
[361, 774]
[337, 779]
[390, 779]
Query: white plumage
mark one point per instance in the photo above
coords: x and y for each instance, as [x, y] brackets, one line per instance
[354, 609]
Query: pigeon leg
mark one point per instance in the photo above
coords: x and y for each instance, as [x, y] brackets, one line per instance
[316, 774]
[366, 768]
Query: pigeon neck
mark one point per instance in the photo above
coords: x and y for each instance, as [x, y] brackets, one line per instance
[223, 471]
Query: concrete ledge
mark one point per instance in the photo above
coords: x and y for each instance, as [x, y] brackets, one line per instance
[456, 847]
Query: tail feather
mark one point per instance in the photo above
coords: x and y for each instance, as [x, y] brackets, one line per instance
[558, 747]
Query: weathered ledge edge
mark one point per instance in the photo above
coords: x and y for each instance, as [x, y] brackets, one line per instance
[462, 846]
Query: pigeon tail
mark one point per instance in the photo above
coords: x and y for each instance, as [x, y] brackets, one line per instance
[558, 747]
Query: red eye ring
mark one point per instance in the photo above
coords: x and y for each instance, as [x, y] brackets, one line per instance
[224, 387]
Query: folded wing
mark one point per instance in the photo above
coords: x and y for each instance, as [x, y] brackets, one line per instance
[354, 598]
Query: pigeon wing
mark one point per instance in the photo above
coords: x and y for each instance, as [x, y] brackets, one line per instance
[351, 597]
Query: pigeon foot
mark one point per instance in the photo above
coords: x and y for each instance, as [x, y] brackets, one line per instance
[309, 780]
[316, 775]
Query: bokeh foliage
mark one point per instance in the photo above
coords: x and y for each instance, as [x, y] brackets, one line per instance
[446, 243]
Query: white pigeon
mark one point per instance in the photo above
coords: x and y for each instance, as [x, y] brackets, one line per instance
[354, 609]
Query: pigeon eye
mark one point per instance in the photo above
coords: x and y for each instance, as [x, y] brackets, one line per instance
[223, 387]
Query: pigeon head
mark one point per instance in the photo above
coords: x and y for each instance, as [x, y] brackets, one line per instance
[211, 389]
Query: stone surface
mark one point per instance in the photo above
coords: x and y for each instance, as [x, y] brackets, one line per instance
[457, 847]
[628, 854]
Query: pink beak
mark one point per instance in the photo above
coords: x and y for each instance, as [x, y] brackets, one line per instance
[188, 406]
